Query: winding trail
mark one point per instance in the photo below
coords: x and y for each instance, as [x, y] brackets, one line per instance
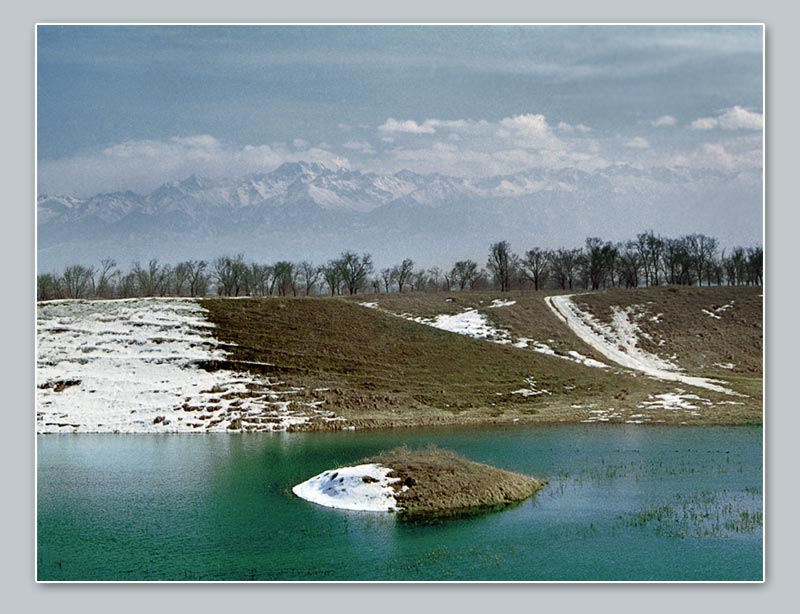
[620, 345]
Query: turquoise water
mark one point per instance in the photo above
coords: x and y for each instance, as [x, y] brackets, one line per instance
[622, 503]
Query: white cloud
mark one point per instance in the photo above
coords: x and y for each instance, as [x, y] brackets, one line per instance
[392, 125]
[143, 165]
[737, 118]
[704, 123]
[300, 144]
[429, 126]
[734, 118]
[565, 127]
[638, 142]
[530, 131]
[664, 120]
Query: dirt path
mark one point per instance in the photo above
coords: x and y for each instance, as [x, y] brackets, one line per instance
[618, 343]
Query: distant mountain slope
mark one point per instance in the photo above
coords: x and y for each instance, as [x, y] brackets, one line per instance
[305, 210]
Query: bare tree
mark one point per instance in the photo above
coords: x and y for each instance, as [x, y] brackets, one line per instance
[198, 282]
[309, 275]
[47, 287]
[600, 261]
[77, 281]
[403, 273]
[388, 277]
[105, 278]
[501, 264]
[564, 265]
[284, 277]
[355, 270]
[535, 266]
[332, 274]
[629, 264]
[702, 250]
[464, 273]
[230, 275]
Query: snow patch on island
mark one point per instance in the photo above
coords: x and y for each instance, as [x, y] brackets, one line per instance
[361, 487]
[135, 365]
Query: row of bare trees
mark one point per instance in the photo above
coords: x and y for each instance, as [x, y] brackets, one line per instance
[649, 260]
[225, 276]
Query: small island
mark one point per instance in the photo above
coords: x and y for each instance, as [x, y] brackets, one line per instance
[431, 482]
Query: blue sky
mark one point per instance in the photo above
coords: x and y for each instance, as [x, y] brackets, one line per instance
[132, 107]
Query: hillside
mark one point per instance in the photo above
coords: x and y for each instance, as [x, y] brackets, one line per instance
[374, 368]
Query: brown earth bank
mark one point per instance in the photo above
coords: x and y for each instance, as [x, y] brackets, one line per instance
[372, 368]
[436, 482]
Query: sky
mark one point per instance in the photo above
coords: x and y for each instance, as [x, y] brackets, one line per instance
[131, 107]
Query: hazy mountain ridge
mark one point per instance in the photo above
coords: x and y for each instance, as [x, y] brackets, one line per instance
[307, 210]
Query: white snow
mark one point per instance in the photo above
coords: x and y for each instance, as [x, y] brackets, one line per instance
[618, 342]
[501, 303]
[132, 366]
[470, 322]
[531, 390]
[674, 400]
[724, 365]
[361, 487]
[369, 305]
[474, 324]
[710, 314]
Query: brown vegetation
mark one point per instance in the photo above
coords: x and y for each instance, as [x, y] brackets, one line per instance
[375, 369]
[440, 482]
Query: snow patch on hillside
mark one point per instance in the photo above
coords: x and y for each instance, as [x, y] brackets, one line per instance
[618, 341]
[134, 365]
[474, 324]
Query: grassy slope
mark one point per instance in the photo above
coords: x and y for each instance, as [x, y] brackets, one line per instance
[694, 340]
[382, 370]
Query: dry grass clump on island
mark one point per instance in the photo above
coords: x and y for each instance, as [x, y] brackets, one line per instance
[435, 482]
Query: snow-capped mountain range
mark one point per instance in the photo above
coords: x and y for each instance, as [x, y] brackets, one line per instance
[306, 210]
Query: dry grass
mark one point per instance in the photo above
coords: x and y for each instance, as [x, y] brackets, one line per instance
[374, 369]
[677, 328]
[440, 482]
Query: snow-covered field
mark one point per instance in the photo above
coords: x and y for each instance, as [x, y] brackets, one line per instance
[619, 342]
[361, 487]
[133, 365]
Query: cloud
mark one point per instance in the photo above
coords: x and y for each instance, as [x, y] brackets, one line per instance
[300, 144]
[143, 165]
[664, 120]
[734, 118]
[530, 131]
[638, 142]
[704, 123]
[734, 156]
[392, 125]
[361, 146]
[738, 118]
[429, 126]
[565, 127]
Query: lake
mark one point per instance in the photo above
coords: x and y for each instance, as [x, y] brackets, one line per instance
[622, 503]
